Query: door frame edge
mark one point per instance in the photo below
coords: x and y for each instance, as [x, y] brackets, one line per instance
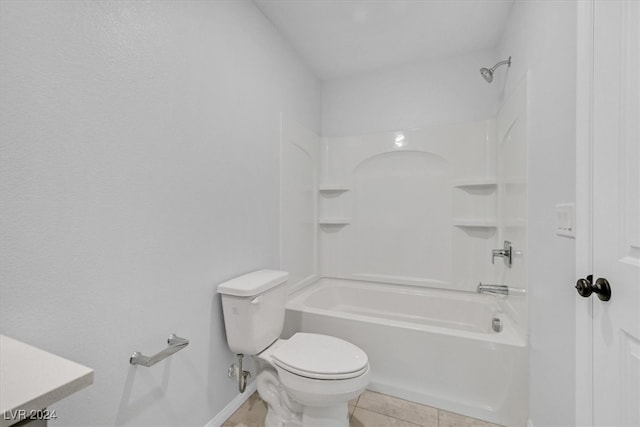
[584, 164]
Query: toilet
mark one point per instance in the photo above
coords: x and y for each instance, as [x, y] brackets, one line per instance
[306, 380]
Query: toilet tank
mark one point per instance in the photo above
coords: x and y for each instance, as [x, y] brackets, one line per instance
[254, 308]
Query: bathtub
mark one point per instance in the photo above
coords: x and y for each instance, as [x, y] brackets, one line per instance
[431, 346]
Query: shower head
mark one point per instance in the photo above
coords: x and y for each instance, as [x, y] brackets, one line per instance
[487, 73]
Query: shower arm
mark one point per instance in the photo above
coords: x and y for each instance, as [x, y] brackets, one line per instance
[506, 61]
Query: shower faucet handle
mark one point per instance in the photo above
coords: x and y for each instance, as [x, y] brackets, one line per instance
[506, 253]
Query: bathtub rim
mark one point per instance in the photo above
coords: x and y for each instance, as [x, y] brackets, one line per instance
[511, 335]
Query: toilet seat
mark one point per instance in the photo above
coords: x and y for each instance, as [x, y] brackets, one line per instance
[320, 357]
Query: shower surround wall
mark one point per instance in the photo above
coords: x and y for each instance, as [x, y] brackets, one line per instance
[413, 207]
[139, 168]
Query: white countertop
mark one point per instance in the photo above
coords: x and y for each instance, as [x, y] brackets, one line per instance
[32, 379]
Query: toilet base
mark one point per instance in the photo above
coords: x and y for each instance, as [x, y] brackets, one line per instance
[283, 411]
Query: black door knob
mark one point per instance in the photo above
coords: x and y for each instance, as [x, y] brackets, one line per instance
[586, 287]
[603, 289]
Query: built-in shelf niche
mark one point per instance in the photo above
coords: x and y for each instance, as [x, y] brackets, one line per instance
[475, 202]
[333, 204]
[475, 224]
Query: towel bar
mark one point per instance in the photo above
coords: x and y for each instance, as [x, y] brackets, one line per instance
[175, 344]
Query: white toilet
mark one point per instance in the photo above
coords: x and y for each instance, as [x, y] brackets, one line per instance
[306, 380]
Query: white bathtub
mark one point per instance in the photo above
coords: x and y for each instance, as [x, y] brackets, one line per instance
[430, 346]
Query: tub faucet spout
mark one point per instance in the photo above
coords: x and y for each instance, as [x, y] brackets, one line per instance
[484, 288]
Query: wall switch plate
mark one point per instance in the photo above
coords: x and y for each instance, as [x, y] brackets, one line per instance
[566, 219]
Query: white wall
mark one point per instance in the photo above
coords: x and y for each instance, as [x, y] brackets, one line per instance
[541, 37]
[140, 157]
[417, 95]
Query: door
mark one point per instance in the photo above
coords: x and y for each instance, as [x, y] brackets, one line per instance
[615, 217]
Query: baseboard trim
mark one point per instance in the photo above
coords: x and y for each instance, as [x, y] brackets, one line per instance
[232, 407]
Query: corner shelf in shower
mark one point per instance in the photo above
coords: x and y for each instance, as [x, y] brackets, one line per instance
[334, 221]
[475, 183]
[475, 223]
[331, 188]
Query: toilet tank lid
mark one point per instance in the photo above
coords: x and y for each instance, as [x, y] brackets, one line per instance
[252, 284]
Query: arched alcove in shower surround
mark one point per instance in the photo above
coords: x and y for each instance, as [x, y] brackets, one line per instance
[400, 201]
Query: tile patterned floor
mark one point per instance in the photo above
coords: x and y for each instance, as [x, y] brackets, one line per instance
[369, 410]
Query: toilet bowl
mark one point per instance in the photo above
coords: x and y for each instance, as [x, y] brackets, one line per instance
[319, 373]
[318, 365]
[306, 380]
